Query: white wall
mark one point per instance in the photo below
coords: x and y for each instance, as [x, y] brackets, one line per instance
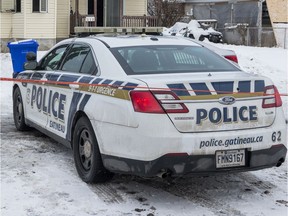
[135, 7]
[6, 25]
[40, 25]
[63, 18]
[7, 5]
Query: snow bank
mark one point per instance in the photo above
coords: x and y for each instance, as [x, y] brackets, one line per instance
[193, 27]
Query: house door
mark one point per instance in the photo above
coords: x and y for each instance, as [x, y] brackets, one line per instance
[112, 12]
[99, 10]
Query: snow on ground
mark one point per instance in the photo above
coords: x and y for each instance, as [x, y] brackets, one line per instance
[269, 62]
[38, 177]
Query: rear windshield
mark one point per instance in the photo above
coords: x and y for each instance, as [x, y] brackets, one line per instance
[169, 59]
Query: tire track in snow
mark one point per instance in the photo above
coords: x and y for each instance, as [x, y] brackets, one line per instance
[202, 190]
[37, 142]
[107, 193]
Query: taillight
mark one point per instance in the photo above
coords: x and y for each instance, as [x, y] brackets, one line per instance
[157, 102]
[274, 100]
[170, 102]
[232, 58]
[144, 101]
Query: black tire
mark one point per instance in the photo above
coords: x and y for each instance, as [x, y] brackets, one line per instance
[18, 111]
[201, 38]
[87, 156]
[191, 36]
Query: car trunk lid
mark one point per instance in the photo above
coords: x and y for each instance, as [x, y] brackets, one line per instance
[213, 101]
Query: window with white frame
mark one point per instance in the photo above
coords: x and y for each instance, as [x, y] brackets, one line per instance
[40, 6]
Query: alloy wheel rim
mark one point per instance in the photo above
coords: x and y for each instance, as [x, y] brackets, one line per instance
[85, 149]
[19, 109]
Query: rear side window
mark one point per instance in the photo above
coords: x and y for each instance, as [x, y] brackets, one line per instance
[89, 66]
[170, 59]
[80, 59]
[75, 58]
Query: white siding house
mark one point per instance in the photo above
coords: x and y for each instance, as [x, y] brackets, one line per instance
[110, 12]
[43, 20]
[49, 21]
[135, 7]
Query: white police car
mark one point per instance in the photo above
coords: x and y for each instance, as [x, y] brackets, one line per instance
[150, 106]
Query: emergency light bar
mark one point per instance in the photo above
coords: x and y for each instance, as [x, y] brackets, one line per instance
[123, 30]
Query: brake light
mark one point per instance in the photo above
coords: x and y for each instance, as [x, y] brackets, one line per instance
[157, 102]
[144, 101]
[274, 100]
[232, 58]
[170, 102]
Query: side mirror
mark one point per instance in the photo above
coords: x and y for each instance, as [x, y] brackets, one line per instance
[31, 56]
[31, 63]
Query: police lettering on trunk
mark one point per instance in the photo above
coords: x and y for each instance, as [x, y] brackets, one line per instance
[217, 115]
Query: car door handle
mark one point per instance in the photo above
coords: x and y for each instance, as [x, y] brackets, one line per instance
[44, 80]
[74, 86]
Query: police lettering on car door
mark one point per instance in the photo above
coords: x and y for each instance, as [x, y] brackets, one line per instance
[50, 103]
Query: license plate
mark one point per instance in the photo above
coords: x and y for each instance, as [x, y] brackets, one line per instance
[230, 158]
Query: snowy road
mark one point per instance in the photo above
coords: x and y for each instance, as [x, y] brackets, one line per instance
[38, 177]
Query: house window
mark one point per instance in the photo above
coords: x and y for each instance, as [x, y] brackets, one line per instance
[39, 6]
[18, 6]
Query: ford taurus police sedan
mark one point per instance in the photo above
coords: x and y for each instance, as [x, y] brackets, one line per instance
[151, 105]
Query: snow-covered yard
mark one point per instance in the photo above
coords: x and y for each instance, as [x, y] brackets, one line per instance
[38, 177]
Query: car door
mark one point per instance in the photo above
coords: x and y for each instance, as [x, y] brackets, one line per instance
[40, 100]
[77, 66]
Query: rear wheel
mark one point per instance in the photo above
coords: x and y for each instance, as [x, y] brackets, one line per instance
[18, 111]
[87, 156]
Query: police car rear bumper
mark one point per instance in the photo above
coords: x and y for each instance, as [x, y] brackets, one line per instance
[177, 164]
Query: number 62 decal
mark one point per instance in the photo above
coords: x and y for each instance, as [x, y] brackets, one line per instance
[276, 136]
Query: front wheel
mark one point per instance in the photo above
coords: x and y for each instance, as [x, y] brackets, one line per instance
[87, 156]
[18, 111]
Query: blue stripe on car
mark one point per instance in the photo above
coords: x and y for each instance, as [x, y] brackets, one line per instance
[52, 77]
[117, 84]
[86, 79]
[179, 92]
[244, 86]
[84, 101]
[106, 82]
[73, 107]
[68, 78]
[130, 86]
[97, 81]
[200, 88]
[223, 87]
[259, 85]
[38, 75]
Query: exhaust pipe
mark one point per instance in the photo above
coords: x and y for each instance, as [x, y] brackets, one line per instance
[164, 174]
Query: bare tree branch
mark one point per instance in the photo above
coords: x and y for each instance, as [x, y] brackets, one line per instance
[167, 11]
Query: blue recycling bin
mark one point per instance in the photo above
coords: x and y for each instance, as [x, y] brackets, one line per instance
[18, 52]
